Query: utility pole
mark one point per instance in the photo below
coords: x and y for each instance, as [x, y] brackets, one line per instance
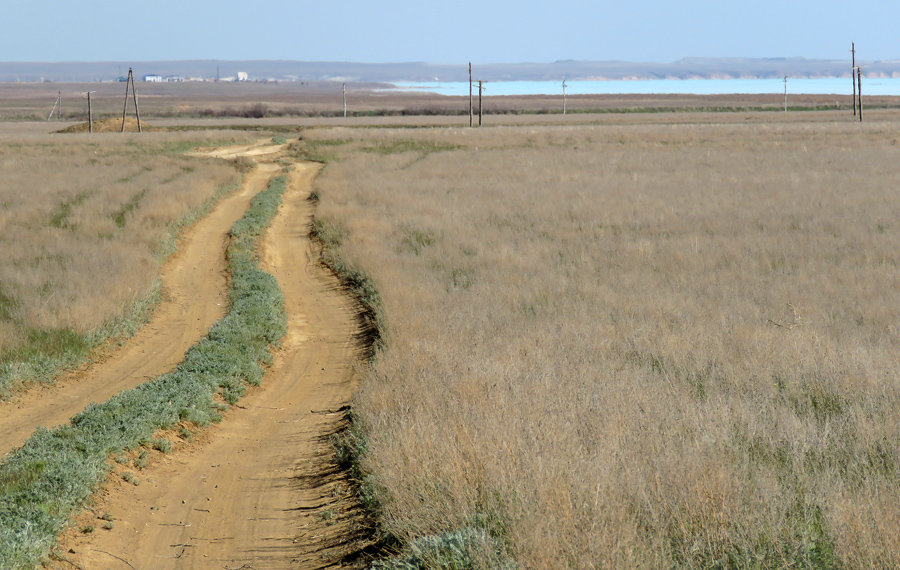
[470, 94]
[857, 72]
[137, 112]
[852, 73]
[90, 112]
[785, 93]
[859, 90]
[50, 116]
[137, 108]
[564, 95]
[480, 105]
[344, 91]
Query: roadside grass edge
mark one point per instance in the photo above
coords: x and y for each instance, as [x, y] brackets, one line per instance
[466, 548]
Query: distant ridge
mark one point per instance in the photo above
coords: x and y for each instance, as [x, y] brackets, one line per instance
[262, 70]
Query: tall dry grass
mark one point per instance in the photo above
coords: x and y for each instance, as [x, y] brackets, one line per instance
[633, 347]
[85, 222]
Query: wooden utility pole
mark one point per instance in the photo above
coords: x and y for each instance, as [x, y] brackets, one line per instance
[859, 90]
[90, 112]
[58, 98]
[344, 92]
[125, 108]
[785, 93]
[137, 108]
[564, 95]
[470, 94]
[480, 105]
[852, 73]
[137, 112]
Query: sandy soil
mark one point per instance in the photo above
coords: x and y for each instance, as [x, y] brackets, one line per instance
[258, 490]
[194, 288]
[257, 150]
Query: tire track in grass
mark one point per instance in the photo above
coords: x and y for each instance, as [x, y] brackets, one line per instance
[261, 489]
[55, 471]
[194, 285]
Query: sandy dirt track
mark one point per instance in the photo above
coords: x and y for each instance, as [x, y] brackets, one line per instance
[194, 288]
[258, 490]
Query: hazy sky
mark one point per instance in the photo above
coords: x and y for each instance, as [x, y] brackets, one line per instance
[483, 31]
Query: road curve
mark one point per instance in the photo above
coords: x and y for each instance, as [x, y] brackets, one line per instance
[258, 490]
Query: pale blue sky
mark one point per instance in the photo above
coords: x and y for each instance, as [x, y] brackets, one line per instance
[485, 31]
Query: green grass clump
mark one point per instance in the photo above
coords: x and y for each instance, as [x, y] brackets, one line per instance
[55, 471]
[50, 344]
[464, 549]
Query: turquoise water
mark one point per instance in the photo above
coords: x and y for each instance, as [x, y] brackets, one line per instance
[826, 86]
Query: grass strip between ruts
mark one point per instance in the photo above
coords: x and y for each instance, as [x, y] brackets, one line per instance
[51, 476]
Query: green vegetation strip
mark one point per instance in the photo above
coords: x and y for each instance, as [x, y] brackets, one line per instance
[52, 475]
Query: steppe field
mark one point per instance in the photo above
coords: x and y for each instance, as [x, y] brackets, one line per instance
[85, 225]
[645, 346]
[608, 340]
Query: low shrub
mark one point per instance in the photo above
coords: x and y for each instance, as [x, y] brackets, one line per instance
[464, 549]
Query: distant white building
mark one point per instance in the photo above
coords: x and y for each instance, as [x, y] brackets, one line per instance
[153, 78]
[242, 76]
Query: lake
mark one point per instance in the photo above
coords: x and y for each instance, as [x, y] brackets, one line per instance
[824, 86]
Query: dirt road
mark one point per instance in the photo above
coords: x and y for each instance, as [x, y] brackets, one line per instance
[194, 286]
[258, 490]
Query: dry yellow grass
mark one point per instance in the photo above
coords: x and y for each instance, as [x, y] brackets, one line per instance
[634, 347]
[85, 222]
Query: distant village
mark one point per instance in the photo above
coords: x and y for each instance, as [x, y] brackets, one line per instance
[241, 77]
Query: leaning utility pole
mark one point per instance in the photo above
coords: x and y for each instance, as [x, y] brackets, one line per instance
[470, 94]
[137, 112]
[852, 73]
[344, 91]
[55, 105]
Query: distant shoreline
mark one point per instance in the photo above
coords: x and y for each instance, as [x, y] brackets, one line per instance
[881, 86]
[300, 71]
